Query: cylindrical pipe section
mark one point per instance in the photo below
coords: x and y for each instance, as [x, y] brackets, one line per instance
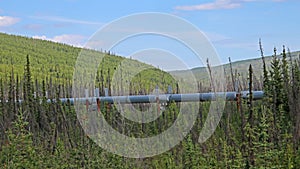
[189, 97]
[163, 98]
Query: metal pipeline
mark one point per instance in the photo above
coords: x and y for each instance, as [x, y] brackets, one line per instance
[163, 98]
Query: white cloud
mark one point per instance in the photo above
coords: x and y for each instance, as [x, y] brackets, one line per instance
[8, 21]
[43, 37]
[220, 4]
[66, 20]
[95, 44]
[71, 39]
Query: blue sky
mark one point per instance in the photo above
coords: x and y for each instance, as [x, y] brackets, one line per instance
[232, 26]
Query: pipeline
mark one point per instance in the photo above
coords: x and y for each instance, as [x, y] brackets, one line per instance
[163, 98]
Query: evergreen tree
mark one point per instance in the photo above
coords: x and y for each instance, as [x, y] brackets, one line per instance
[276, 90]
[285, 92]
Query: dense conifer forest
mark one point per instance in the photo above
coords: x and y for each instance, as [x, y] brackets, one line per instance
[35, 133]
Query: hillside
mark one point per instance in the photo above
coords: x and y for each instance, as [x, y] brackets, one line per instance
[56, 61]
[36, 133]
[241, 67]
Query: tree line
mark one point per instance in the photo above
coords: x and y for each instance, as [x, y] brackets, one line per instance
[264, 133]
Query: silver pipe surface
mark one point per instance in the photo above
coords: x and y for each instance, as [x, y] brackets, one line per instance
[162, 98]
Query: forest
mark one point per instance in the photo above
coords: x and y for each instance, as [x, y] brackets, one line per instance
[36, 133]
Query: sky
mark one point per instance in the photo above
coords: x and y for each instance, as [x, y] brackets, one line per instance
[233, 27]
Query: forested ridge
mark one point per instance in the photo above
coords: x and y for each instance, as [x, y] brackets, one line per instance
[57, 61]
[38, 134]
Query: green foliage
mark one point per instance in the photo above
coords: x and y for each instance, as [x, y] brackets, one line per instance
[19, 151]
[57, 61]
[251, 133]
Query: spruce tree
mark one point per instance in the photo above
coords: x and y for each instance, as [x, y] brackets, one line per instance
[276, 84]
[285, 92]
